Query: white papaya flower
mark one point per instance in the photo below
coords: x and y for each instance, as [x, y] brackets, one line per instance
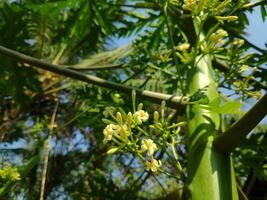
[140, 116]
[149, 146]
[109, 132]
[153, 165]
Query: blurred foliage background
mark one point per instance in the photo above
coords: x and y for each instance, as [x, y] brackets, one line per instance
[80, 34]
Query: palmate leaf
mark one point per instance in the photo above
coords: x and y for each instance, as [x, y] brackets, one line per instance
[101, 21]
[54, 17]
[104, 58]
[53, 8]
[89, 23]
[16, 81]
[136, 22]
[82, 21]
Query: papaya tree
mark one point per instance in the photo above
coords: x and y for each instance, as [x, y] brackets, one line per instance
[163, 117]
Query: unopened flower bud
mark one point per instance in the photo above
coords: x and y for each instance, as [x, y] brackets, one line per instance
[183, 47]
[112, 150]
[215, 37]
[140, 106]
[129, 119]
[163, 104]
[254, 70]
[156, 116]
[119, 118]
[229, 18]
[222, 33]
[243, 68]
[238, 41]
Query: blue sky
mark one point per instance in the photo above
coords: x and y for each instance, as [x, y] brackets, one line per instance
[257, 29]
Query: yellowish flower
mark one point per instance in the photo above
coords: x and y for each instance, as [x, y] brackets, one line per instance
[215, 37]
[189, 5]
[119, 118]
[153, 165]
[123, 132]
[109, 132]
[222, 33]
[238, 41]
[149, 146]
[140, 116]
[183, 47]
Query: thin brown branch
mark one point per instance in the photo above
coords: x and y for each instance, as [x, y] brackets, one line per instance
[176, 102]
[47, 150]
[241, 194]
[251, 181]
[230, 139]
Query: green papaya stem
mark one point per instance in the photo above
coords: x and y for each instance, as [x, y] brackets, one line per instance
[210, 173]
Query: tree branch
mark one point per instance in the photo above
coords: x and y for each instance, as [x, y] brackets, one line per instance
[235, 134]
[47, 147]
[176, 102]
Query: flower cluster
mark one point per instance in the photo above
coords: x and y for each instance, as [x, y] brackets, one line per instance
[122, 130]
[150, 147]
[122, 135]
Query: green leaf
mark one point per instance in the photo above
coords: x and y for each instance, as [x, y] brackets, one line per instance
[215, 102]
[230, 107]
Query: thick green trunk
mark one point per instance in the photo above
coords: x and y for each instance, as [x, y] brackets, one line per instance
[210, 173]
